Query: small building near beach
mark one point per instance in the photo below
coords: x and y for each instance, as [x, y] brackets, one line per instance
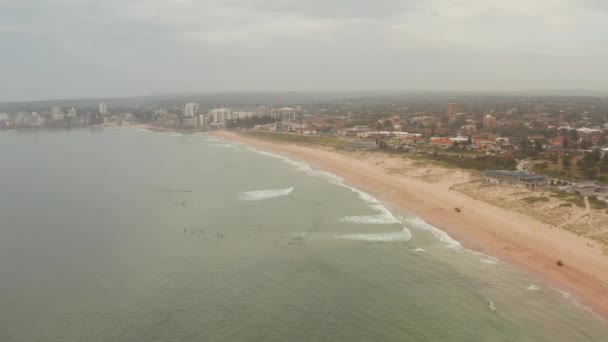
[515, 179]
[584, 188]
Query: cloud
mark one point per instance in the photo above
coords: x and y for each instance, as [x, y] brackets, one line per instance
[138, 47]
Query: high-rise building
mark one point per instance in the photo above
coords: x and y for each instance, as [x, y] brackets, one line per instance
[203, 120]
[103, 108]
[72, 112]
[191, 109]
[489, 121]
[452, 111]
[220, 116]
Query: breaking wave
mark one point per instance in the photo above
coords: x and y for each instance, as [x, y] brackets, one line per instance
[300, 165]
[486, 259]
[403, 235]
[264, 194]
[384, 217]
[440, 234]
[370, 219]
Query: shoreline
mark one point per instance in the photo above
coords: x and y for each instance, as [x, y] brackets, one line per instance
[519, 240]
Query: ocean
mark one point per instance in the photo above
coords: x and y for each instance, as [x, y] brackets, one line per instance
[132, 235]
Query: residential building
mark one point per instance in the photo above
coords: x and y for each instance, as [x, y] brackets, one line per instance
[452, 111]
[441, 141]
[103, 109]
[283, 114]
[191, 109]
[515, 179]
[489, 121]
[219, 116]
[262, 111]
[584, 189]
[468, 129]
[57, 114]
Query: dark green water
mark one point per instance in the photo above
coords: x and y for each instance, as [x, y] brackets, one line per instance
[126, 235]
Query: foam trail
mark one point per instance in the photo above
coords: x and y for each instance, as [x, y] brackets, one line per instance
[533, 288]
[491, 261]
[486, 259]
[564, 294]
[440, 234]
[264, 194]
[568, 296]
[370, 219]
[420, 250]
[384, 216]
[300, 165]
[403, 235]
[225, 145]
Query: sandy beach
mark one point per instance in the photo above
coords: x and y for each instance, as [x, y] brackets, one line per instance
[514, 238]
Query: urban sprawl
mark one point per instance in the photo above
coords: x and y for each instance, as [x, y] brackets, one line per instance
[528, 143]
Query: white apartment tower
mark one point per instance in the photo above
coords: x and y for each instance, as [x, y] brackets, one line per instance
[103, 108]
[191, 109]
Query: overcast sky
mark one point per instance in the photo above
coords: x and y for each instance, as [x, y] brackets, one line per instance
[81, 48]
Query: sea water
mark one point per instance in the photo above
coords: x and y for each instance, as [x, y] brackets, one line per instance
[130, 235]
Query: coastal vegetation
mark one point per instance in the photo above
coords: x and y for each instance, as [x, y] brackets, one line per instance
[557, 208]
[249, 122]
[535, 199]
[590, 165]
[300, 139]
[453, 160]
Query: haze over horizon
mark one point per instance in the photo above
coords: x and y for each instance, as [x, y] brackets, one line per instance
[84, 49]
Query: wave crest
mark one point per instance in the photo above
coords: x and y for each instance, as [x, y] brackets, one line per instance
[403, 235]
[264, 194]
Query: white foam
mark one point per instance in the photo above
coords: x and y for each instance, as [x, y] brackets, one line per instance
[371, 219]
[264, 194]
[491, 261]
[576, 303]
[384, 216]
[176, 135]
[486, 259]
[492, 307]
[533, 288]
[403, 235]
[420, 250]
[300, 165]
[440, 234]
[225, 145]
[564, 294]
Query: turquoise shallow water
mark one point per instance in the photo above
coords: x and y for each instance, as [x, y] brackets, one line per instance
[126, 235]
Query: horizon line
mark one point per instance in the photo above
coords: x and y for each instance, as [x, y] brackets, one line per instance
[565, 91]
